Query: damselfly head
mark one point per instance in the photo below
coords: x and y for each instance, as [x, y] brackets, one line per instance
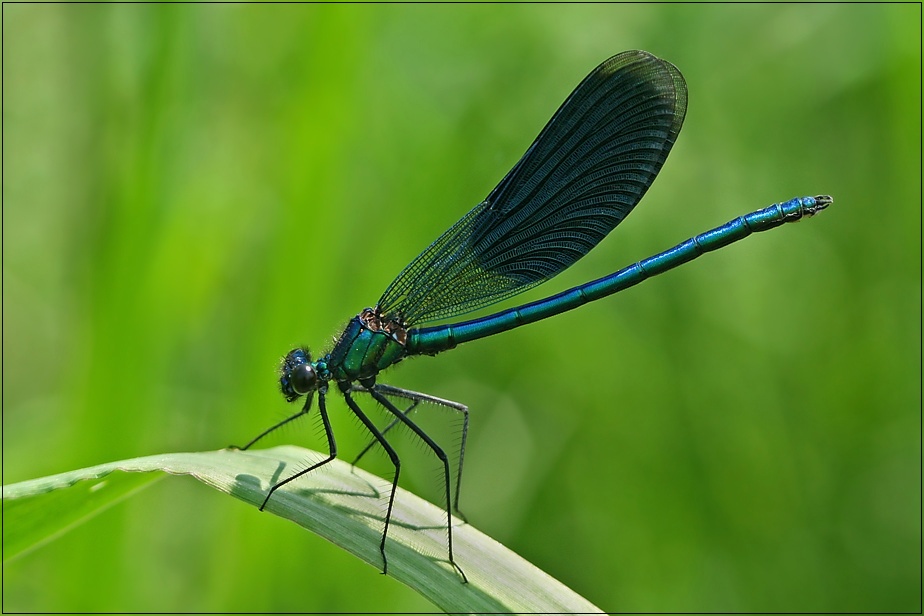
[297, 375]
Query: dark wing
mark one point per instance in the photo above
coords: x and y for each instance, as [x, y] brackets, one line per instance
[582, 175]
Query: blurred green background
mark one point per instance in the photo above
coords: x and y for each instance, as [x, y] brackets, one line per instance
[189, 191]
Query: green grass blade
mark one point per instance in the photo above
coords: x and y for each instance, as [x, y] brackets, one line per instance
[339, 502]
[37, 511]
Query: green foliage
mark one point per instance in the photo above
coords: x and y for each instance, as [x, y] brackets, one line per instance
[190, 190]
[342, 504]
[37, 511]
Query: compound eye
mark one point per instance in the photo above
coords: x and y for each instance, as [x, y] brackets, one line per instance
[303, 379]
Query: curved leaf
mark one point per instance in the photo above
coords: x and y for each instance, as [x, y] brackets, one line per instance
[341, 503]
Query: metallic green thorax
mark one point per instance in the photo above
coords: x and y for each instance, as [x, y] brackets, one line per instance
[366, 347]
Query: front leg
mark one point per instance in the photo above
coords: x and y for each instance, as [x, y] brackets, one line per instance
[331, 443]
[305, 409]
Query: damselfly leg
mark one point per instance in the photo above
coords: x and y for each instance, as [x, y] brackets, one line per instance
[416, 398]
[331, 443]
[304, 411]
